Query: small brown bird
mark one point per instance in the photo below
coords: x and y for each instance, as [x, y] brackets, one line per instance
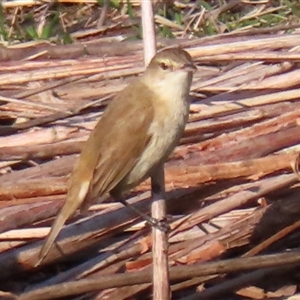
[137, 132]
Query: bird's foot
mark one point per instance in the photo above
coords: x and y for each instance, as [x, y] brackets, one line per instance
[160, 224]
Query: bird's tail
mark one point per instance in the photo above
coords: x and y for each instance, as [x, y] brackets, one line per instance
[75, 197]
[59, 222]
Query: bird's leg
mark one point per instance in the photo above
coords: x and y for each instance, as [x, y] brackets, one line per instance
[153, 222]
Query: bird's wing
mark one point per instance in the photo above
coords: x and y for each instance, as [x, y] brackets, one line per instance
[109, 154]
[125, 141]
[126, 145]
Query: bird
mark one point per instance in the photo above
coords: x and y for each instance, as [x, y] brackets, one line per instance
[137, 132]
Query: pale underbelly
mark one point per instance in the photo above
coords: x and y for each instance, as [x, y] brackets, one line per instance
[157, 151]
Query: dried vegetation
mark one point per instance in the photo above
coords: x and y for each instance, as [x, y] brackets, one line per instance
[233, 182]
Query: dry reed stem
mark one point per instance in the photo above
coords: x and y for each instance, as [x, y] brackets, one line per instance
[160, 279]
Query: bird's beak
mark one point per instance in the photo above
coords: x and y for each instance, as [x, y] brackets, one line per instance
[189, 67]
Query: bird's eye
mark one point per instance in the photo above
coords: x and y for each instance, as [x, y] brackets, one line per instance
[164, 66]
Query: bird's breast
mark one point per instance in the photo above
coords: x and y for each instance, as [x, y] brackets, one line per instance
[166, 130]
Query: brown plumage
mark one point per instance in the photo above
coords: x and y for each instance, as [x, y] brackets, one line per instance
[137, 132]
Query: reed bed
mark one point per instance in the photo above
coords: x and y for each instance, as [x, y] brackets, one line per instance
[232, 183]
